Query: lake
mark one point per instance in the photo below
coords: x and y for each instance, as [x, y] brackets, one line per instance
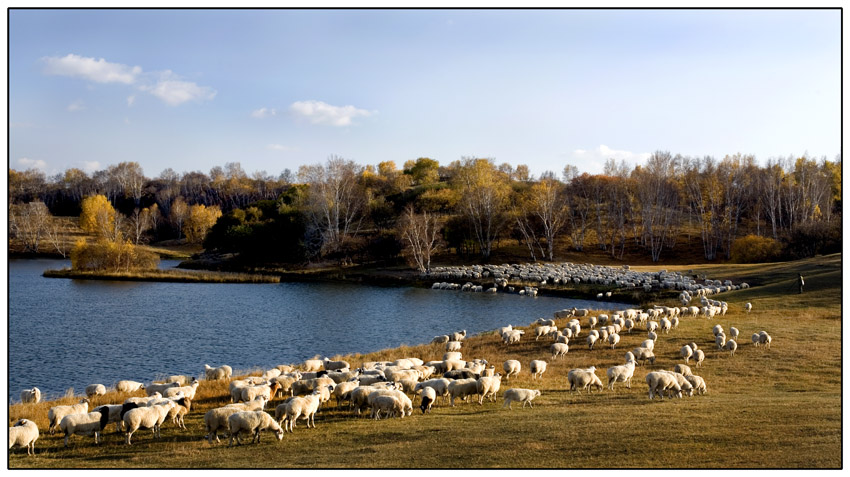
[72, 333]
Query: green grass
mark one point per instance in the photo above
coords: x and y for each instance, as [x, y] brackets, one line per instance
[776, 408]
[170, 275]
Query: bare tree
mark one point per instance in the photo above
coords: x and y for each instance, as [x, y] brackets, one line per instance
[55, 233]
[335, 201]
[421, 236]
[657, 198]
[29, 222]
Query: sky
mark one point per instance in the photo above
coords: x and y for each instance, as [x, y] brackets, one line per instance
[276, 89]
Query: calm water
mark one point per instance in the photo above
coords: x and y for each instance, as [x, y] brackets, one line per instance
[72, 333]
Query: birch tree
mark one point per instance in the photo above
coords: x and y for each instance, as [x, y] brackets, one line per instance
[484, 200]
[421, 236]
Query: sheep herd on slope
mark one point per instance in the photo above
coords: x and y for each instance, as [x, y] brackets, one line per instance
[390, 388]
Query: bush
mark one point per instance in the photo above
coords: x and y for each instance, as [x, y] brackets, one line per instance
[107, 255]
[815, 238]
[755, 249]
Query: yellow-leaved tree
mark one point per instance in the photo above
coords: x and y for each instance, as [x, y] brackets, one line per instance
[109, 251]
[199, 221]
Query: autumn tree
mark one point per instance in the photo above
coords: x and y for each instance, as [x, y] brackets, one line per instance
[179, 214]
[657, 197]
[544, 205]
[199, 221]
[139, 222]
[99, 217]
[423, 171]
[484, 200]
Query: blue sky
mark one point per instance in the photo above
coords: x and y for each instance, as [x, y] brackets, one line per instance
[275, 89]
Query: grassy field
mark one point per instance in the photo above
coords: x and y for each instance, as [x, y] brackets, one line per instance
[168, 275]
[765, 408]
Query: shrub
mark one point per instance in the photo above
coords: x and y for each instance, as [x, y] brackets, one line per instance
[755, 249]
[110, 255]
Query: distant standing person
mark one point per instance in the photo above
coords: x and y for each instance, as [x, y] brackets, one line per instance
[800, 281]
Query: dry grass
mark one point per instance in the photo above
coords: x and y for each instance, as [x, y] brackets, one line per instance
[168, 275]
[776, 408]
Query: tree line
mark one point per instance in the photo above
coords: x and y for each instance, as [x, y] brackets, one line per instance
[343, 211]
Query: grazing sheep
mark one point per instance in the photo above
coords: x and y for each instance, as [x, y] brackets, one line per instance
[439, 385]
[31, 396]
[271, 374]
[651, 326]
[537, 368]
[733, 333]
[56, 413]
[683, 383]
[717, 330]
[125, 386]
[253, 422]
[613, 340]
[686, 352]
[648, 344]
[512, 367]
[720, 341]
[621, 373]
[457, 336]
[188, 391]
[296, 407]
[183, 404]
[313, 365]
[335, 365]
[406, 403]
[659, 382]
[390, 405]
[697, 382]
[264, 390]
[665, 325]
[525, 396]
[652, 336]
[180, 379]
[699, 357]
[284, 384]
[216, 419]
[93, 390]
[592, 321]
[488, 387]
[150, 417]
[765, 339]
[142, 401]
[83, 425]
[748, 307]
[512, 337]
[683, 369]
[756, 339]
[559, 350]
[23, 434]
[342, 391]
[731, 346]
[440, 339]
[427, 397]
[583, 379]
[644, 354]
[159, 388]
[114, 413]
[454, 345]
[215, 374]
[591, 340]
[630, 357]
[462, 389]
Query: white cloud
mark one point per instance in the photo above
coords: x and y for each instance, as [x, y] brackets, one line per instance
[593, 161]
[263, 113]
[175, 91]
[90, 166]
[130, 100]
[27, 163]
[280, 147]
[77, 105]
[99, 71]
[319, 112]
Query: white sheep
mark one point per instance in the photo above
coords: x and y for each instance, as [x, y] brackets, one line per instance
[454, 345]
[342, 391]
[159, 388]
[628, 325]
[439, 385]
[644, 354]
[427, 396]
[731, 346]
[335, 365]
[146, 418]
[651, 326]
[457, 336]
[113, 411]
[390, 405]
[126, 386]
[83, 424]
[264, 390]
[488, 386]
[756, 339]
[56, 413]
[537, 368]
[648, 344]
[665, 325]
[440, 339]
[23, 434]
[717, 330]
[748, 307]
[621, 373]
[697, 382]
[659, 382]
[313, 365]
[559, 350]
[733, 333]
[720, 340]
[699, 357]
[183, 404]
[591, 340]
[613, 340]
[216, 419]
[630, 357]
[93, 390]
[652, 336]
[592, 321]
[271, 374]
[31, 396]
[682, 369]
[180, 379]
[143, 401]
[512, 367]
[296, 407]
[686, 352]
[583, 379]
[406, 403]
[221, 372]
[765, 339]
[462, 389]
[525, 396]
[253, 422]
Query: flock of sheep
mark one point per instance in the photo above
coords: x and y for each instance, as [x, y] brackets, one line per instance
[390, 388]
